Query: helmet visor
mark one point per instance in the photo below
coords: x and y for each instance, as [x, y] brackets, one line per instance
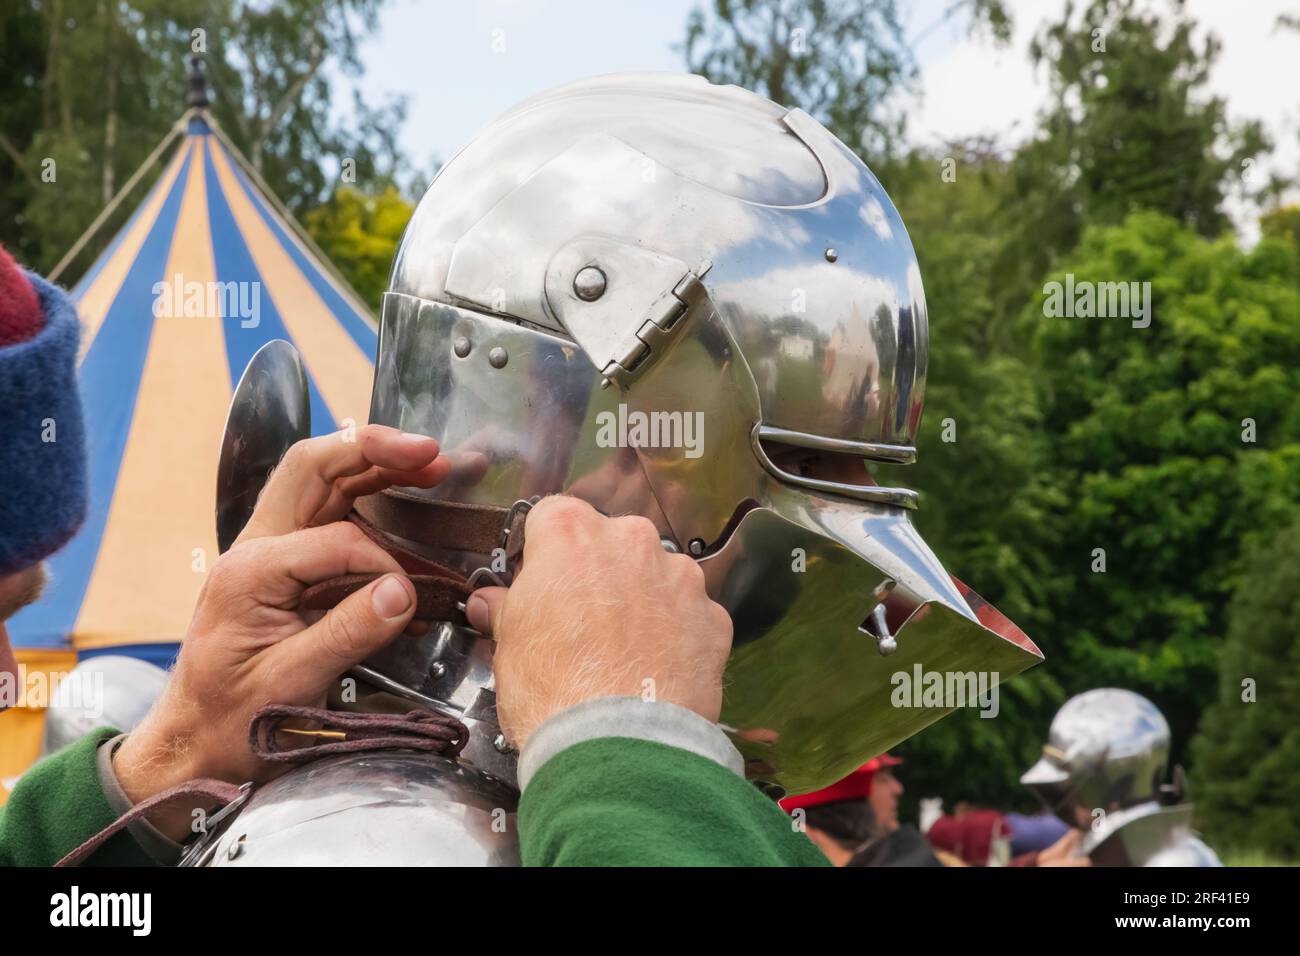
[850, 637]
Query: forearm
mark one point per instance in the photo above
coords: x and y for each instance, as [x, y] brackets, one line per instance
[657, 786]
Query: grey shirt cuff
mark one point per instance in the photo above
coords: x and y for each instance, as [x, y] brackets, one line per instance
[657, 721]
[163, 850]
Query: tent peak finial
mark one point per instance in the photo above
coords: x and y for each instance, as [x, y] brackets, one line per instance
[196, 96]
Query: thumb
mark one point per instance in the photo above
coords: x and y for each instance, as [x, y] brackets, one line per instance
[484, 609]
[351, 631]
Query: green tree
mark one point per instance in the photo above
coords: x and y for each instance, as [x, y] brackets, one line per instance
[1283, 223]
[1178, 446]
[1247, 782]
[360, 233]
[95, 85]
[844, 61]
[22, 37]
[271, 67]
[1130, 126]
[100, 70]
[985, 507]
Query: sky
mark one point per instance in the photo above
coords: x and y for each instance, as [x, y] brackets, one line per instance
[462, 62]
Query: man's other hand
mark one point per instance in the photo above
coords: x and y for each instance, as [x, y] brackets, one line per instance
[600, 609]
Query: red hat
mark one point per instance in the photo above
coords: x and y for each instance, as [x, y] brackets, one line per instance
[20, 310]
[856, 786]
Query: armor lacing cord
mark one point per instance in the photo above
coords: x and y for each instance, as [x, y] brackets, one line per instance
[351, 733]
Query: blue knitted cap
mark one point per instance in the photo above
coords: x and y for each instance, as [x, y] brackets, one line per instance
[42, 439]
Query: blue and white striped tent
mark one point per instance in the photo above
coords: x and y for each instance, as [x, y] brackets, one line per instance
[157, 370]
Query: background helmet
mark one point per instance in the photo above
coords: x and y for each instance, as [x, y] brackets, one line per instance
[1108, 749]
[1188, 851]
[109, 690]
[635, 289]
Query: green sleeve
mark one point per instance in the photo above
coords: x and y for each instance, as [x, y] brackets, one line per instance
[619, 801]
[57, 806]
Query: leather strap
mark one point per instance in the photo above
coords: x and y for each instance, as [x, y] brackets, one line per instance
[439, 590]
[412, 562]
[218, 791]
[436, 599]
[438, 524]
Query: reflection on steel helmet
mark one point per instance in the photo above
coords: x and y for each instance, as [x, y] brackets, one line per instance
[1108, 749]
[391, 808]
[110, 690]
[1188, 851]
[634, 289]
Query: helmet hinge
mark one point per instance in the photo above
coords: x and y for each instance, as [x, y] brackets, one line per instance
[661, 325]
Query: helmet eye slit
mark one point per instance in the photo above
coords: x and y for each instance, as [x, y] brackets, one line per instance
[830, 465]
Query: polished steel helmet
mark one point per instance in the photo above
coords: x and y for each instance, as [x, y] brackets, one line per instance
[1187, 851]
[109, 690]
[1107, 750]
[644, 290]
[650, 292]
[1104, 770]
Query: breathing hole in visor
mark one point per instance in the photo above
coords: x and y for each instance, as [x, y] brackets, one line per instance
[891, 611]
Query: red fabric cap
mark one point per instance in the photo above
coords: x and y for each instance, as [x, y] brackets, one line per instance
[856, 786]
[969, 836]
[20, 309]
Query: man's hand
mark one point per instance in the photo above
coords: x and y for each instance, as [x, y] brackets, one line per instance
[319, 478]
[600, 610]
[248, 644]
[1064, 852]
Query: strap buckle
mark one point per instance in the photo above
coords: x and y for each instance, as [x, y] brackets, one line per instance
[476, 578]
[213, 821]
[518, 509]
[205, 845]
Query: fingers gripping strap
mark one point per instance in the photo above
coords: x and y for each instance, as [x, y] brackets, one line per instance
[436, 598]
[438, 524]
[439, 590]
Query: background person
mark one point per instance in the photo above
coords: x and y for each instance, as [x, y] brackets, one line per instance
[42, 454]
[854, 821]
[982, 837]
